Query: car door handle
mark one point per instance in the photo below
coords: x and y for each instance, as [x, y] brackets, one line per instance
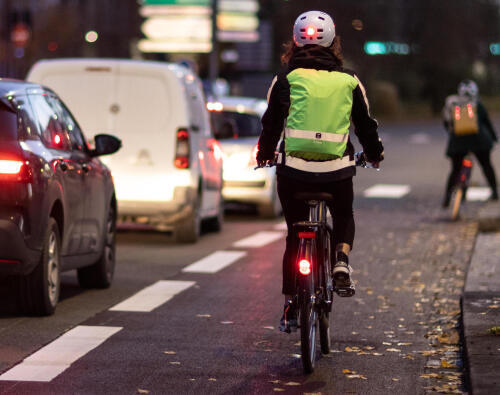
[85, 167]
[62, 164]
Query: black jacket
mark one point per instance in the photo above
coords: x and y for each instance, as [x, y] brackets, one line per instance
[273, 121]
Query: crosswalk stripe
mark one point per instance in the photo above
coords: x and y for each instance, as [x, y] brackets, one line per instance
[153, 296]
[214, 262]
[387, 191]
[53, 359]
[259, 239]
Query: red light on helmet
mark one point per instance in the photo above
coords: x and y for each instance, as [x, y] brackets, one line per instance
[305, 267]
[310, 31]
[57, 139]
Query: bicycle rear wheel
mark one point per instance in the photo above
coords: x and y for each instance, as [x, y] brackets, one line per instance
[308, 330]
[324, 333]
[456, 202]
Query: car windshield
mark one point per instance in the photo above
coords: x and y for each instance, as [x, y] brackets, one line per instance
[232, 125]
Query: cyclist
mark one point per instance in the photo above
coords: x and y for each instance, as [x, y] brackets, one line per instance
[478, 138]
[313, 99]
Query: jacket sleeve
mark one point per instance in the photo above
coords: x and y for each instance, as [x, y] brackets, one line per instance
[365, 126]
[485, 120]
[274, 118]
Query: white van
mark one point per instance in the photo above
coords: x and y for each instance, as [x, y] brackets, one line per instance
[168, 173]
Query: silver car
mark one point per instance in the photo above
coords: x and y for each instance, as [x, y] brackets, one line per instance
[237, 126]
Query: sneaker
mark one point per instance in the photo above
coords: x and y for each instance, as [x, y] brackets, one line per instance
[288, 322]
[342, 274]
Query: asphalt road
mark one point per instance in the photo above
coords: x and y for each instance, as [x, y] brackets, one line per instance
[217, 332]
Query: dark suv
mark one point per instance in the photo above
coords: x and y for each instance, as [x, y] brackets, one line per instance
[57, 200]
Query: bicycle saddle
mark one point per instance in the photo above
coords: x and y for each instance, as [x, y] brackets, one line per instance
[313, 196]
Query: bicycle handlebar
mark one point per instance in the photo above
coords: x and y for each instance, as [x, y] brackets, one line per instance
[359, 159]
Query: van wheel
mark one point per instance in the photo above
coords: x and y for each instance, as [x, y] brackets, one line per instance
[189, 230]
[39, 291]
[100, 274]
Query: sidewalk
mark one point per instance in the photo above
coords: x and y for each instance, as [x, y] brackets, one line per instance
[481, 306]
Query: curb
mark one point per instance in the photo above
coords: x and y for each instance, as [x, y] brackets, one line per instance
[480, 304]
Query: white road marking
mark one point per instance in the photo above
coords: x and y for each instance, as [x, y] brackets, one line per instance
[281, 226]
[53, 359]
[214, 262]
[387, 191]
[479, 194]
[259, 239]
[420, 138]
[153, 296]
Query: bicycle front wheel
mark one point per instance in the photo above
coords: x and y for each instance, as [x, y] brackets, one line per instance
[457, 201]
[308, 330]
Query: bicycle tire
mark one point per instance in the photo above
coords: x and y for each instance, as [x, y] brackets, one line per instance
[457, 200]
[324, 333]
[308, 330]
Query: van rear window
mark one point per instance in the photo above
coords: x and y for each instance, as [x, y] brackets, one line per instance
[8, 124]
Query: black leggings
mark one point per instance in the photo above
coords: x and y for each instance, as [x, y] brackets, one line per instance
[296, 210]
[483, 157]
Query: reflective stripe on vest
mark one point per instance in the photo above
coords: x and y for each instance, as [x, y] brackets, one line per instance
[319, 116]
[316, 167]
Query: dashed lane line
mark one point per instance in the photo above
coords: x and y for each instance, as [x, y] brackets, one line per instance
[153, 296]
[53, 359]
[214, 262]
[390, 191]
[478, 194]
[259, 239]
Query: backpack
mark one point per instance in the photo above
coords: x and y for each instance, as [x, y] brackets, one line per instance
[464, 118]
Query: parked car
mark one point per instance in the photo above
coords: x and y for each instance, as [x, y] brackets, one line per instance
[57, 200]
[237, 127]
[169, 173]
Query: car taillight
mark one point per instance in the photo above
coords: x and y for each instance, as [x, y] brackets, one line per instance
[15, 170]
[253, 156]
[304, 267]
[10, 166]
[182, 149]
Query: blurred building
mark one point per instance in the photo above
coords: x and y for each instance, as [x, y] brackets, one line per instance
[37, 29]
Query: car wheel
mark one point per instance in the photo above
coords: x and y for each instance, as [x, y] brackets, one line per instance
[39, 291]
[189, 230]
[100, 274]
[216, 223]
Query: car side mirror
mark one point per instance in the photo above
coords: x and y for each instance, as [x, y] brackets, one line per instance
[105, 144]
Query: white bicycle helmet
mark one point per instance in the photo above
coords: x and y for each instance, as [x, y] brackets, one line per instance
[468, 88]
[314, 27]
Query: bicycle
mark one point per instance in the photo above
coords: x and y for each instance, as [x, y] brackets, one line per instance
[315, 285]
[460, 187]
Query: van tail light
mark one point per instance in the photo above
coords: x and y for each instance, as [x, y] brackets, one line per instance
[304, 267]
[15, 170]
[182, 149]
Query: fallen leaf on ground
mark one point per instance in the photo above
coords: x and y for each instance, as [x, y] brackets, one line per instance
[203, 315]
[212, 379]
[274, 381]
[431, 376]
[345, 371]
[356, 376]
[447, 364]
[227, 322]
[278, 389]
[169, 352]
[495, 330]
[377, 354]
[405, 344]
[292, 383]
[494, 306]
[387, 344]
[369, 348]
[175, 363]
[139, 391]
[269, 327]
[393, 350]
[395, 379]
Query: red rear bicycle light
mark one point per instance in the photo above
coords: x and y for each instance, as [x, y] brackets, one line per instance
[307, 235]
[181, 160]
[305, 267]
[467, 163]
[457, 113]
[10, 166]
